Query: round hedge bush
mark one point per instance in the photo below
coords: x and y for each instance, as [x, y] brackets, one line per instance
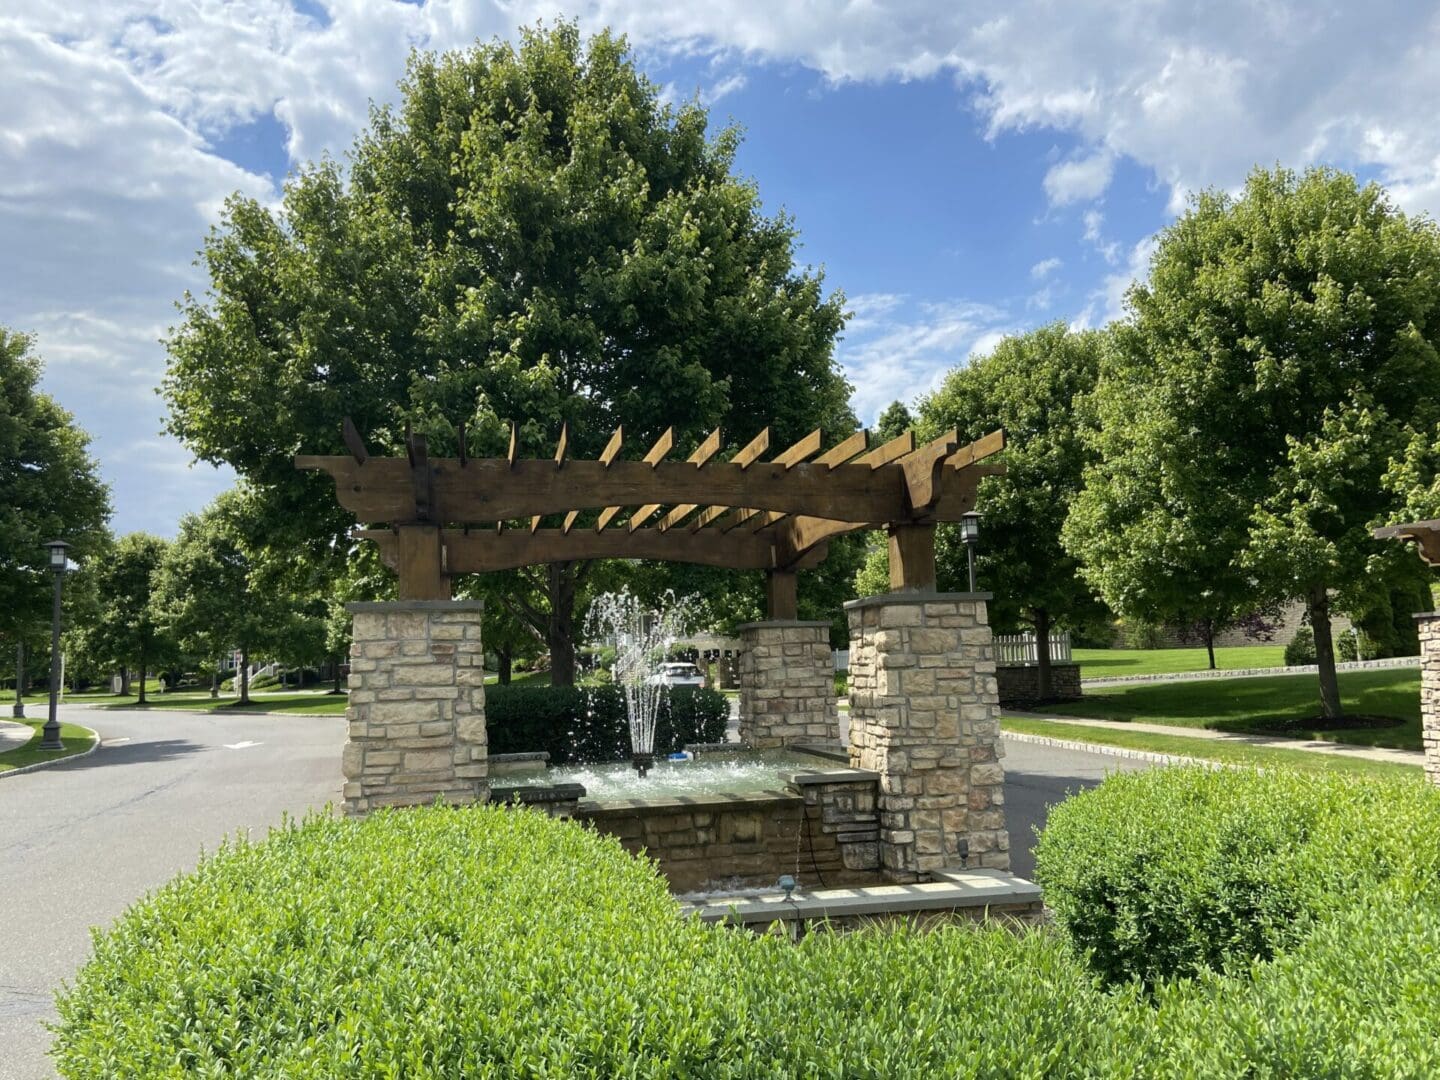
[496, 943]
[1183, 871]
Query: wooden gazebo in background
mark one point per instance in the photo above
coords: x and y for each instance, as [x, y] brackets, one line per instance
[440, 517]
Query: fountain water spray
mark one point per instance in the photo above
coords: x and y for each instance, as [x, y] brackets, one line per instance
[643, 638]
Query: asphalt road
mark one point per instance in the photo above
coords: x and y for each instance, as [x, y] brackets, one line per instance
[81, 841]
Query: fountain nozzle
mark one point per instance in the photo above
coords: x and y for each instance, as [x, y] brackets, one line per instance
[642, 762]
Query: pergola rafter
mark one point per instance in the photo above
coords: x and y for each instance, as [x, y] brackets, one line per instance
[776, 515]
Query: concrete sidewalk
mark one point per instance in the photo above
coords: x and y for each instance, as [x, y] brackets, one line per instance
[1275, 742]
[13, 735]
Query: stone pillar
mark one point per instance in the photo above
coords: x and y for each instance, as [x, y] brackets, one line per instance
[924, 714]
[417, 705]
[787, 684]
[1428, 623]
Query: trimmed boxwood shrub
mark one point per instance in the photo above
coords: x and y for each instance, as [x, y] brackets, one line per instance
[1181, 871]
[500, 943]
[588, 723]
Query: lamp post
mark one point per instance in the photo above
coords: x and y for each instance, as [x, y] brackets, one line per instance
[970, 533]
[51, 739]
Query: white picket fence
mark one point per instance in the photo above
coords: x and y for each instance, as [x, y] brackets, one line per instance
[1019, 649]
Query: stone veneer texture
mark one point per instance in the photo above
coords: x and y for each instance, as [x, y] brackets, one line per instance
[1428, 624]
[417, 705]
[924, 714]
[787, 684]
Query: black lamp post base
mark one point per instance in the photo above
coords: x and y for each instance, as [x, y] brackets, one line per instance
[50, 739]
[18, 712]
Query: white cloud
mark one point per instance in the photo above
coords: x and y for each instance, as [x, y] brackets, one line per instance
[1109, 249]
[1045, 267]
[1080, 179]
[905, 349]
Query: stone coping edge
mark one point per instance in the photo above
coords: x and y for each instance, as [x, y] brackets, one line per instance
[59, 760]
[381, 607]
[679, 804]
[533, 755]
[537, 794]
[908, 597]
[957, 889]
[1389, 662]
[829, 776]
[781, 624]
[1427, 615]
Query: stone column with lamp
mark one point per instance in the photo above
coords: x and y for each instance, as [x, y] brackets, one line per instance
[924, 714]
[1426, 536]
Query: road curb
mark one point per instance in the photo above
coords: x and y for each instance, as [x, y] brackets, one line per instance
[59, 760]
[1114, 751]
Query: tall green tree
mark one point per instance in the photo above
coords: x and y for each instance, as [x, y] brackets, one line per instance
[124, 634]
[893, 422]
[529, 235]
[50, 489]
[1280, 358]
[209, 590]
[1030, 386]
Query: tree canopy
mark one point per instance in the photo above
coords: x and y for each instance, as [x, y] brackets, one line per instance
[123, 632]
[1281, 355]
[529, 235]
[50, 488]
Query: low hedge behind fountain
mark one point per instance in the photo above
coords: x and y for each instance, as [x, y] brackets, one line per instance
[499, 943]
[589, 723]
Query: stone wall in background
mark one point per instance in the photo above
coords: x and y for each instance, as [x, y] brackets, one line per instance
[1019, 684]
[924, 714]
[787, 684]
[417, 705]
[1429, 627]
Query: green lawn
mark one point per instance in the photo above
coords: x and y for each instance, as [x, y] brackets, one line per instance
[1211, 750]
[1102, 663]
[1263, 704]
[303, 702]
[76, 740]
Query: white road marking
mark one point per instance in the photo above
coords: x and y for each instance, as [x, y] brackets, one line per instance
[115, 742]
[240, 745]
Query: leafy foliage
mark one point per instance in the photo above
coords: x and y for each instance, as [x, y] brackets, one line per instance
[1301, 649]
[1182, 871]
[1281, 355]
[123, 631]
[50, 489]
[588, 723]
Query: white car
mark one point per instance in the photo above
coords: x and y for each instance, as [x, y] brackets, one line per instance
[677, 674]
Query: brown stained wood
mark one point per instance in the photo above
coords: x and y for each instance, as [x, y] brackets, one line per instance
[534, 524]
[570, 521]
[781, 588]
[890, 451]
[605, 517]
[514, 444]
[806, 447]
[978, 450]
[656, 453]
[483, 553]
[464, 448]
[642, 515]
[564, 444]
[1425, 535]
[613, 446]
[422, 479]
[842, 452]
[706, 516]
[706, 450]
[922, 469]
[752, 450]
[488, 489]
[353, 442]
[419, 563]
[912, 557]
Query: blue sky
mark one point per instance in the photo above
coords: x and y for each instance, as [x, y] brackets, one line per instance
[960, 170]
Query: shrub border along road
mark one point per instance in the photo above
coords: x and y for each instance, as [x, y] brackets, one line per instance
[59, 759]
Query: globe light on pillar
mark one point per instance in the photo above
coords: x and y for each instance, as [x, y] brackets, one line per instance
[970, 533]
[58, 563]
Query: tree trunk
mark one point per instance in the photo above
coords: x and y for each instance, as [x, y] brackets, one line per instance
[244, 675]
[560, 627]
[1042, 653]
[124, 681]
[505, 665]
[337, 689]
[215, 683]
[1210, 641]
[1325, 653]
[19, 711]
[142, 678]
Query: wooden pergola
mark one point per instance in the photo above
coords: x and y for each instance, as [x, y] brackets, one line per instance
[1424, 534]
[448, 516]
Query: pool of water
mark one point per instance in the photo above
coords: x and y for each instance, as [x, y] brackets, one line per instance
[710, 773]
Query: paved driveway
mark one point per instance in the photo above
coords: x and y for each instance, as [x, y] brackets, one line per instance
[80, 842]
